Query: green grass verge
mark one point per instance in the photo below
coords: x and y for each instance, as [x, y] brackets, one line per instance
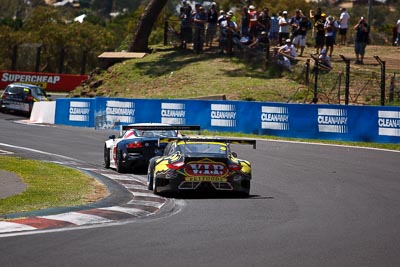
[48, 185]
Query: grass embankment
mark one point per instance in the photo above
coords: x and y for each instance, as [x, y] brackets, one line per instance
[48, 185]
[175, 74]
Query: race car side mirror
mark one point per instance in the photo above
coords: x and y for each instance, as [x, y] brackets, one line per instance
[234, 154]
[112, 136]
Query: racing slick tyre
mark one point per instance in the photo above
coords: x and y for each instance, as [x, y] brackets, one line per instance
[118, 163]
[155, 186]
[106, 157]
[150, 175]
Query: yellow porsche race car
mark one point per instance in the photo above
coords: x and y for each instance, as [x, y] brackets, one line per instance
[200, 164]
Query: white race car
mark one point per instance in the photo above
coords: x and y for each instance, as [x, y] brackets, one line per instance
[138, 143]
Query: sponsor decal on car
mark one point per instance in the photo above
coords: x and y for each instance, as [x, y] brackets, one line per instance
[205, 169]
[205, 179]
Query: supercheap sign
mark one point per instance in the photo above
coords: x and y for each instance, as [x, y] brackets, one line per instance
[49, 81]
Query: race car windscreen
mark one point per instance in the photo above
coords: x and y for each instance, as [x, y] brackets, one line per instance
[208, 148]
[144, 133]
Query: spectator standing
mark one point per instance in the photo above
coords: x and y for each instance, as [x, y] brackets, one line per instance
[221, 17]
[186, 26]
[199, 22]
[227, 30]
[253, 22]
[295, 23]
[343, 25]
[315, 15]
[212, 21]
[320, 33]
[284, 28]
[330, 27]
[397, 42]
[300, 39]
[362, 34]
[264, 21]
[274, 29]
[245, 22]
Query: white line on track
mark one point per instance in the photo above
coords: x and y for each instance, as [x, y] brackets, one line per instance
[40, 152]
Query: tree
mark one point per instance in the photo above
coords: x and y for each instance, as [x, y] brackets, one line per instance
[146, 22]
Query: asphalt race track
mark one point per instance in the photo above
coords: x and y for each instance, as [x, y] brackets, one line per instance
[310, 205]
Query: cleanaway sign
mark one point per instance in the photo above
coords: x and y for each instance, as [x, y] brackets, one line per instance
[333, 122]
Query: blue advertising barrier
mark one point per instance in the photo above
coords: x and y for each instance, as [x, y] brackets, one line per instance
[333, 122]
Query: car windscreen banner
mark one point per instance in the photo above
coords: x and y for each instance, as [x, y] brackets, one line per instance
[49, 81]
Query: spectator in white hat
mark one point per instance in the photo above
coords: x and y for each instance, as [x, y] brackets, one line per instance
[287, 55]
[325, 60]
[253, 14]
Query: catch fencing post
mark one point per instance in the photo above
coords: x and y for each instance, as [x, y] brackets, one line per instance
[316, 71]
[383, 75]
[307, 72]
[347, 82]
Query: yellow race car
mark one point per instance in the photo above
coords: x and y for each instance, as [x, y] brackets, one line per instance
[200, 164]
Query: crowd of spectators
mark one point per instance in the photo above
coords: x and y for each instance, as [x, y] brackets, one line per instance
[257, 28]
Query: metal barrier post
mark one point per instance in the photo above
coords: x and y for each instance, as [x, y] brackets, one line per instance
[383, 75]
[307, 72]
[347, 82]
[316, 71]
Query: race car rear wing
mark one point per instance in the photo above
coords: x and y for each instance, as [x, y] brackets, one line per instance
[236, 141]
[125, 128]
